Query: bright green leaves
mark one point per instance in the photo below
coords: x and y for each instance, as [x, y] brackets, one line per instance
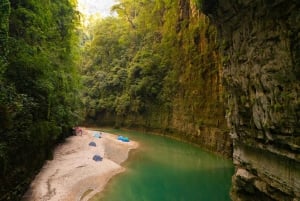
[154, 56]
[39, 85]
[42, 57]
[125, 68]
[145, 75]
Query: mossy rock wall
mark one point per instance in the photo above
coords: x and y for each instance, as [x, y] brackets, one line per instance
[196, 112]
[261, 77]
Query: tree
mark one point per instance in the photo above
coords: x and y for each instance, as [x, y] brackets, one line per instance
[158, 63]
[39, 86]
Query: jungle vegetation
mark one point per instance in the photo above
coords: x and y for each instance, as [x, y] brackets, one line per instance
[39, 86]
[149, 58]
[152, 59]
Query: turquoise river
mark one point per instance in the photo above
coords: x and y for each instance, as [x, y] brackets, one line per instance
[163, 169]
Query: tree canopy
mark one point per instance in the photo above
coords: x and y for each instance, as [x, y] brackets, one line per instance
[154, 63]
[144, 58]
[40, 82]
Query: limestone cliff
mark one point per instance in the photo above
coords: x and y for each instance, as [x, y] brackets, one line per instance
[261, 73]
[196, 109]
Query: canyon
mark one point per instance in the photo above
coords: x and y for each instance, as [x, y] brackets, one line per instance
[261, 73]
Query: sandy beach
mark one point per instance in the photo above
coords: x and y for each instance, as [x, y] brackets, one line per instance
[73, 175]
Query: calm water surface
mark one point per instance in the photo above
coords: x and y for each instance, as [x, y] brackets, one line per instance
[162, 169]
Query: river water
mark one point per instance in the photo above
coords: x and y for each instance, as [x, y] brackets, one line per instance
[163, 169]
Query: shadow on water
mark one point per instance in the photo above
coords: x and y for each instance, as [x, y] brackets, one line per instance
[163, 169]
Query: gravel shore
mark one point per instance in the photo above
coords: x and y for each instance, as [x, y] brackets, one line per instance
[73, 175]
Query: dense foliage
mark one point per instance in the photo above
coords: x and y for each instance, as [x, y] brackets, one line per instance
[152, 57]
[154, 64]
[39, 85]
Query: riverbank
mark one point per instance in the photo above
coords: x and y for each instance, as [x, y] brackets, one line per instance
[73, 174]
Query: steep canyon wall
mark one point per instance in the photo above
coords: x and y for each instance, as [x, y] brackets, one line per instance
[261, 72]
[196, 111]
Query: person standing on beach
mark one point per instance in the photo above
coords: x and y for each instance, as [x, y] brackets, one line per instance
[78, 131]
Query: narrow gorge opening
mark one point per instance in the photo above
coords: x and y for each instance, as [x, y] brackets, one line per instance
[222, 75]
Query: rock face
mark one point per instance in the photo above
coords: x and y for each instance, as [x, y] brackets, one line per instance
[261, 74]
[196, 109]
